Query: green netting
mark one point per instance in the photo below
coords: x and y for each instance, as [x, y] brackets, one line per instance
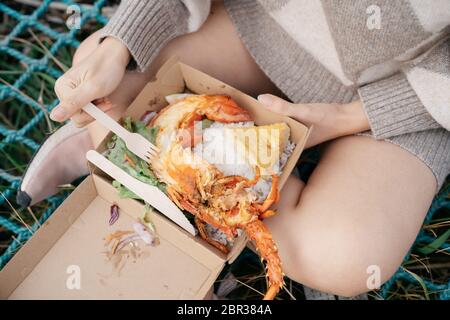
[43, 65]
[13, 91]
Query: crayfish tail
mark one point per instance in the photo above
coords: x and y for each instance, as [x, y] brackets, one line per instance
[258, 232]
[271, 293]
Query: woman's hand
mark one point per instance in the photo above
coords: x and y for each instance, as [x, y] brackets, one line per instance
[330, 121]
[94, 77]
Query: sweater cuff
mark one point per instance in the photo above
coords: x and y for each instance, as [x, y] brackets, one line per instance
[393, 108]
[144, 27]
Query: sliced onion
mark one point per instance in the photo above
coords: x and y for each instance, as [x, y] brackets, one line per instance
[146, 236]
[114, 214]
[125, 241]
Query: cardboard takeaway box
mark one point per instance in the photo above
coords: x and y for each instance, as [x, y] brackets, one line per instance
[66, 259]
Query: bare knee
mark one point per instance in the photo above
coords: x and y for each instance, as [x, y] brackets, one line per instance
[357, 217]
[337, 268]
[332, 257]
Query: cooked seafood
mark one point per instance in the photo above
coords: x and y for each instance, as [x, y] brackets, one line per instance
[199, 187]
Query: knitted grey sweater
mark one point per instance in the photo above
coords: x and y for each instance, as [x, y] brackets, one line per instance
[392, 54]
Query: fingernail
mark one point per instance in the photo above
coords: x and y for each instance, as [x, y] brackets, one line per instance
[266, 99]
[58, 114]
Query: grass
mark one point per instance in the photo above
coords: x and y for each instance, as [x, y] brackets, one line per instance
[425, 262]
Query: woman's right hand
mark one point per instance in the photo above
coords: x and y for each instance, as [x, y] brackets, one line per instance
[94, 77]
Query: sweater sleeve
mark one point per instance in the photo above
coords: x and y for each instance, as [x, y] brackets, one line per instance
[146, 26]
[415, 99]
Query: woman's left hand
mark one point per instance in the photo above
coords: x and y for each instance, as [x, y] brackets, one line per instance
[330, 120]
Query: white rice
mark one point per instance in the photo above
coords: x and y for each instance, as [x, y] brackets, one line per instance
[215, 148]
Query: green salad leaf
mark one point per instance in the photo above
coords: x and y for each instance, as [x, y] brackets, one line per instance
[118, 152]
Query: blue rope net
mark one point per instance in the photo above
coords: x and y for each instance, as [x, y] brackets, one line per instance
[8, 91]
[10, 182]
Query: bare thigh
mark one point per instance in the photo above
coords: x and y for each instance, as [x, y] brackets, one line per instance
[217, 50]
[363, 206]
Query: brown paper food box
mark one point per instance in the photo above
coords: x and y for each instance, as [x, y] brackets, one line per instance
[66, 259]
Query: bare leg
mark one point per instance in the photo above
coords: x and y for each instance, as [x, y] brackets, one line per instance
[363, 206]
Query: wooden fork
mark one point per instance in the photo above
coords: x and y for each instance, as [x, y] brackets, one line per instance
[136, 143]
